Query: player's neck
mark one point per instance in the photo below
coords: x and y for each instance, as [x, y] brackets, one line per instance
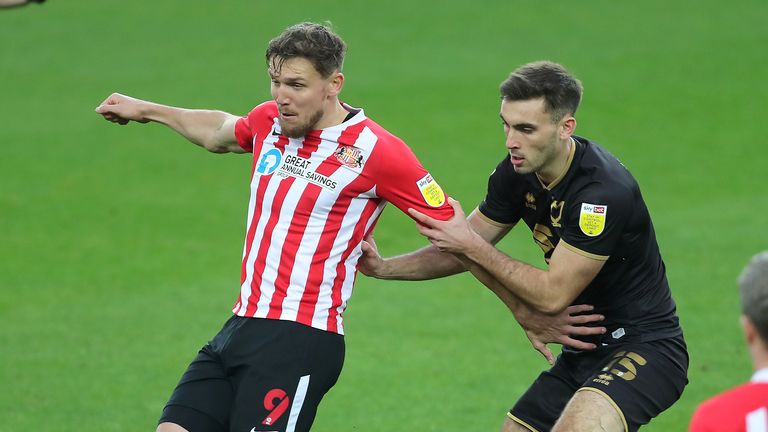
[557, 168]
[759, 353]
[334, 116]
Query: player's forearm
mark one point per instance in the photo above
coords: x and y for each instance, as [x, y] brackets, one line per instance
[13, 3]
[423, 264]
[526, 282]
[513, 303]
[201, 127]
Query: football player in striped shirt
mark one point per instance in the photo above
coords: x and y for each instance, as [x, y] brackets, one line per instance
[322, 173]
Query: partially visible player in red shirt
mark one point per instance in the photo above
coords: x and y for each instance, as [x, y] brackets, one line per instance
[745, 408]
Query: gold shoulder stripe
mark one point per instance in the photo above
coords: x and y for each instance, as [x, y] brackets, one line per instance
[618, 410]
[491, 221]
[583, 253]
[521, 423]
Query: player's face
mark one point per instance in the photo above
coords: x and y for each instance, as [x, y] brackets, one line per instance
[533, 140]
[301, 93]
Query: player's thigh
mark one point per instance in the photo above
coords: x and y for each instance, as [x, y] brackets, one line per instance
[589, 411]
[540, 406]
[280, 389]
[636, 383]
[202, 398]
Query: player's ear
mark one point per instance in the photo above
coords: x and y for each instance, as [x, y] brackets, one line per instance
[567, 126]
[335, 83]
[750, 333]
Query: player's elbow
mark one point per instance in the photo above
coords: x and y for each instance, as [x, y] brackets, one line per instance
[555, 294]
[215, 146]
[217, 149]
[551, 303]
[552, 307]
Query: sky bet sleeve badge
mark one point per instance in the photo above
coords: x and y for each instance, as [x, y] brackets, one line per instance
[431, 191]
[592, 219]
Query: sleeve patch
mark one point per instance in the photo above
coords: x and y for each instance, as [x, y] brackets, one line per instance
[431, 191]
[592, 219]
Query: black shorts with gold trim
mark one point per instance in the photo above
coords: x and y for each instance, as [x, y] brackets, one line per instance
[641, 380]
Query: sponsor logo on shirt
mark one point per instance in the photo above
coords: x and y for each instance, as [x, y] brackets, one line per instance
[592, 219]
[604, 379]
[431, 191]
[298, 167]
[269, 161]
[349, 156]
[544, 237]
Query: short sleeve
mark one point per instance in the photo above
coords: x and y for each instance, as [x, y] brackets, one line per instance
[699, 421]
[499, 203]
[402, 180]
[257, 123]
[595, 219]
[243, 134]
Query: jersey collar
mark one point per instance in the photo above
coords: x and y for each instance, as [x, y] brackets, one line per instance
[760, 376]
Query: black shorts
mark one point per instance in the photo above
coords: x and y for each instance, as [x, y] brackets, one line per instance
[641, 379]
[257, 375]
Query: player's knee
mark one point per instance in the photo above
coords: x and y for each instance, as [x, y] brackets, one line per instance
[590, 411]
[170, 427]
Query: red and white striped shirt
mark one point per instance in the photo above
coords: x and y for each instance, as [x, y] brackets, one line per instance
[313, 200]
[740, 409]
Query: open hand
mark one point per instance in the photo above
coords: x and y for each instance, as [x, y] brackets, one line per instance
[542, 329]
[454, 235]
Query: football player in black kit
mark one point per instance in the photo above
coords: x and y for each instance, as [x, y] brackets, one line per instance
[586, 212]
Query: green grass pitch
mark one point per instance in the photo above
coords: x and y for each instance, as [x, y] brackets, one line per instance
[120, 246]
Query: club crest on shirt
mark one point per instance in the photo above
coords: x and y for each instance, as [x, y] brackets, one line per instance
[349, 156]
[592, 219]
[530, 201]
[556, 213]
[431, 191]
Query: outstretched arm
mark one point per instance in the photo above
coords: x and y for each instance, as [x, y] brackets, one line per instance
[425, 263]
[422, 264]
[212, 130]
[15, 3]
[430, 263]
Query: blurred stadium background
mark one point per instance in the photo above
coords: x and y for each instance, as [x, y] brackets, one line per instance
[120, 246]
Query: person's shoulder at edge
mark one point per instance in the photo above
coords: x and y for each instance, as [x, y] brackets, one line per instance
[726, 402]
[267, 109]
[599, 164]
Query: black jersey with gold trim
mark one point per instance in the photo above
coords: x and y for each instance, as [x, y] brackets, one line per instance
[595, 209]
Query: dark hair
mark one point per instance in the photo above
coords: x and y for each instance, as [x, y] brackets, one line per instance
[314, 42]
[753, 284]
[561, 90]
